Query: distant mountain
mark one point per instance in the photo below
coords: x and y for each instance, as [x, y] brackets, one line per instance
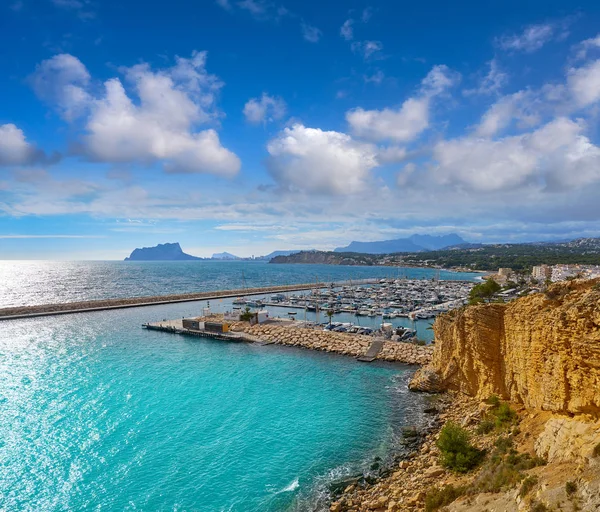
[161, 252]
[414, 243]
[224, 256]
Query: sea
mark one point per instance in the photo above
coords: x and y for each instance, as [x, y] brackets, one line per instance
[99, 414]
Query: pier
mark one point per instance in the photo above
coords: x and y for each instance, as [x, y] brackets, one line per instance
[373, 351]
[17, 312]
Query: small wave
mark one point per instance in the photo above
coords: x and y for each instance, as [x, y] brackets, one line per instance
[292, 487]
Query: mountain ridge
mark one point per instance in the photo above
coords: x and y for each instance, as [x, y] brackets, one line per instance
[414, 243]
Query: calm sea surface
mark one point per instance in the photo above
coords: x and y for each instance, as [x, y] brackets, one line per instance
[98, 414]
[43, 282]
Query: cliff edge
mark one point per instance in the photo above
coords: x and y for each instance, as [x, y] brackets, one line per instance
[542, 351]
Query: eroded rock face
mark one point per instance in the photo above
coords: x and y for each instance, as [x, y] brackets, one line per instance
[568, 439]
[542, 351]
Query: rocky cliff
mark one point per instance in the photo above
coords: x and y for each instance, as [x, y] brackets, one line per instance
[542, 350]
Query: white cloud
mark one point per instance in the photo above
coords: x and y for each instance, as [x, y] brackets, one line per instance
[62, 81]
[347, 31]
[533, 37]
[14, 148]
[584, 83]
[584, 47]
[391, 154]
[412, 118]
[322, 162]
[402, 125]
[520, 106]
[368, 49]
[491, 83]
[159, 126]
[310, 33]
[267, 108]
[557, 155]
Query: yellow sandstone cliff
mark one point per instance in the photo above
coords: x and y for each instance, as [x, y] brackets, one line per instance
[542, 350]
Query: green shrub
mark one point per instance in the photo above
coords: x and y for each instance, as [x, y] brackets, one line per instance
[247, 315]
[504, 468]
[570, 488]
[442, 496]
[493, 400]
[527, 485]
[504, 415]
[456, 451]
[485, 427]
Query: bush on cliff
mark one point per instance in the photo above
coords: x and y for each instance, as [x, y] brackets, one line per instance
[456, 451]
[442, 496]
[504, 469]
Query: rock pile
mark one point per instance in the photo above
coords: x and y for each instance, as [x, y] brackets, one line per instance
[339, 343]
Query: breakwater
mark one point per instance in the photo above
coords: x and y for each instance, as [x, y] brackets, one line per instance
[107, 304]
[339, 343]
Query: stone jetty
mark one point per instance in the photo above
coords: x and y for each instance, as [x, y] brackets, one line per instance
[339, 343]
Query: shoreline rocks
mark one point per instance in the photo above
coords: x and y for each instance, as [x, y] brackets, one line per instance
[339, 343]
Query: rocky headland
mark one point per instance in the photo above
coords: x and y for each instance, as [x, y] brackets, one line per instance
[521, 381]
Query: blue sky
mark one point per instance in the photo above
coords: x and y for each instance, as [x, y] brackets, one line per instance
[250, 126]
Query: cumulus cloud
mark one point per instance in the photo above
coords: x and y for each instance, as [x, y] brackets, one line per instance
[322, 162]
[586, 46]
[264, 109]
[520, 106]
[62, 82]
[310, 33]
[410, 119]
[584, 83]
[160, 125]
[556, 156]
[533, 37]
[16, 151]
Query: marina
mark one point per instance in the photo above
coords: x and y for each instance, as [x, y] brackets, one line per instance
[383, 301]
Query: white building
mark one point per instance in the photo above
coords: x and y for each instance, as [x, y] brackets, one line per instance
[541, 272]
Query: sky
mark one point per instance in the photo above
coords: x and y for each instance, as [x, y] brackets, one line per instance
[250, 126]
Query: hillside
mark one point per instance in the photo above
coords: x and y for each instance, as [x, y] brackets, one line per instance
[481, 257]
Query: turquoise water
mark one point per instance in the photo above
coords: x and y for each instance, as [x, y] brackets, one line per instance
[99, 414]
[43, 282]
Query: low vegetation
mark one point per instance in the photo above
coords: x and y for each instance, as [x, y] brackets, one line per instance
[527, 484]
[505, 467]
[597, 450]
[456, 451]
[442, 496]
[500, 416]
[570, 488]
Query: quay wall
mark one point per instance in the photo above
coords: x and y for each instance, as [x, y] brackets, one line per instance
[339, 343]
[107, 304]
